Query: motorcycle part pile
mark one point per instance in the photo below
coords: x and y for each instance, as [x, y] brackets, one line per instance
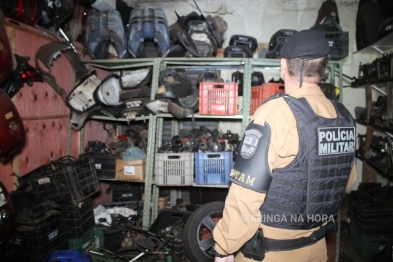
[116, 145]
[114, 96]
[379, 70]
[124, 240]
[201, 139]
[241, 46]
[178, 91]
[380, 153]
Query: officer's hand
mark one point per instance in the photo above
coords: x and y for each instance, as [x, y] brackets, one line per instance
[230, 258]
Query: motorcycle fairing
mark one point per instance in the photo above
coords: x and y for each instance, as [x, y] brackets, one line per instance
[148, 23]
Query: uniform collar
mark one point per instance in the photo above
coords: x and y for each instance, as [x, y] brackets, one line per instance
[307, 91]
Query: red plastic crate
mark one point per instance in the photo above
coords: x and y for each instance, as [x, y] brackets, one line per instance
[218, 98]
[260, 93]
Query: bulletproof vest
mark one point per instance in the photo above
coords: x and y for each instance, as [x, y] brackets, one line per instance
[309, 191]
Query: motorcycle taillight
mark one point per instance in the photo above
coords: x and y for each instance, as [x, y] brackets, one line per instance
[5, 55]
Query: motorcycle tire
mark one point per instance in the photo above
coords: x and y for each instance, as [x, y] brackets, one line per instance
[198, 231]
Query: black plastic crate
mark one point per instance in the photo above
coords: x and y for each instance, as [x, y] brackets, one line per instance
[31, 208]
[369, 246]
[126, 191]
[34, 245]
[105, 164]
[65, 180]
[78, 219]
[338, 42]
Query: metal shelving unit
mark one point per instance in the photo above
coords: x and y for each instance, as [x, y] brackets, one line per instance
[156, 121]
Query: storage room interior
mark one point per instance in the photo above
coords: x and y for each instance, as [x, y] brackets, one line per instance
[108, 161]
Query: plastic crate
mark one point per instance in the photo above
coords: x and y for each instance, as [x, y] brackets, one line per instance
[213, 168]
[369, 246]
[338, 42]
[99, 230]
[34, 245]
[174, 169]
[67, 256]
[105, 164]
[65, 181]
[125, 191]
[78, 219]
[218, 98]
[260, 93]
[84, 243]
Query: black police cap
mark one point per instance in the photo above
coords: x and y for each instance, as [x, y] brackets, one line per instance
[306, 44]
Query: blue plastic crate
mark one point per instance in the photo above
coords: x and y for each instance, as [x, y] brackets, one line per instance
[213, 168]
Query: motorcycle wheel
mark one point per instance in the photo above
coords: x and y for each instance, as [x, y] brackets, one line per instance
[198, 232]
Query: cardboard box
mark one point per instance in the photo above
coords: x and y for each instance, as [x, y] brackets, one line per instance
[133, 170]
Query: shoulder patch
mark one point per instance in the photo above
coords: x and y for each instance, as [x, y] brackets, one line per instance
[250, 143]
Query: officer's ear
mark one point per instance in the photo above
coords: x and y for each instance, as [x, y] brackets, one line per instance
[283, 68]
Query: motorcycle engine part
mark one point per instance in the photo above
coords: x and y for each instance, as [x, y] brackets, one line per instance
[177, 144]
[173, 85]
[108, 92]
[135, 78]
[257, 78]
[158, 106]
[5, 55]
[142, 91]
[148, 23]
[7, 214]
[205, 43]
[12, 131]
[237, 51]
[55, 12]
[81, 98]
[103, 28]
[244, 40]
[277, 41]
[50, 51]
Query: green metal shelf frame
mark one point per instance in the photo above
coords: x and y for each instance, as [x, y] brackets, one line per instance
[156, 121]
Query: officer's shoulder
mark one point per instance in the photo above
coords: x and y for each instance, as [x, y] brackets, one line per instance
[268, 108]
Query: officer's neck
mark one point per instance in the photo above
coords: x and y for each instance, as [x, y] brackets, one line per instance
[292, 84]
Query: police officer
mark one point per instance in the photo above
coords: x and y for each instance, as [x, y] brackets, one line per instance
[295, 163]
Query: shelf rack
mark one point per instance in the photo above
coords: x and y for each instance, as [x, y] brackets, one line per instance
[156, 121]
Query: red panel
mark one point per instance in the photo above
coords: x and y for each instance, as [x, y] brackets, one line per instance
[46, 140]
